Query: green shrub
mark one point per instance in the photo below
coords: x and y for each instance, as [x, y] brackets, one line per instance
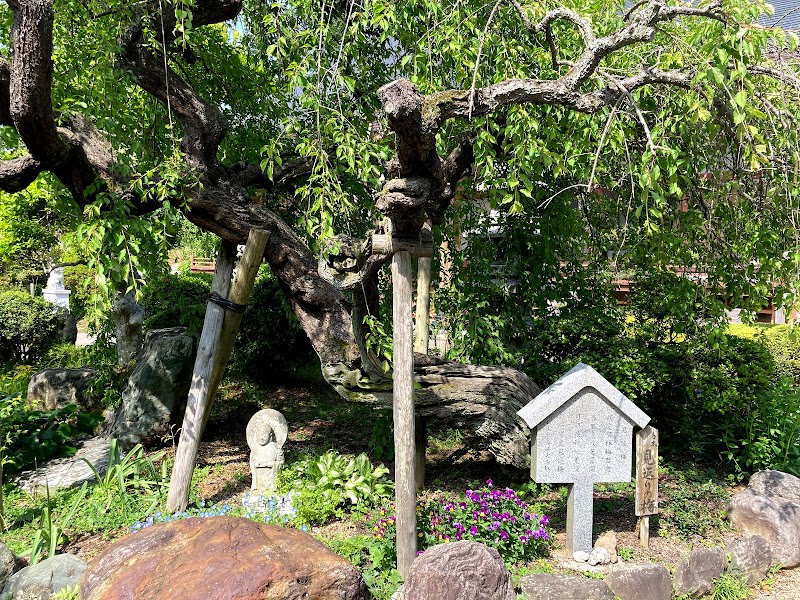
[782, 341]
[767, 435]
[176, 299]
[28, 325]
[31, 436]
[694, 384]
[325, 485]
[14, 378]
[80, 279]
[270, 339]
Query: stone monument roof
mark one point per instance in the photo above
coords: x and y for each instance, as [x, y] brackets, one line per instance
[581, 376]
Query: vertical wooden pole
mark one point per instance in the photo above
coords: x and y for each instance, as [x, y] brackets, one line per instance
[421, 441]
[216, 342]
[423, 305]
[422, 330]
[644, 532]
[246, 273]
[404, 437]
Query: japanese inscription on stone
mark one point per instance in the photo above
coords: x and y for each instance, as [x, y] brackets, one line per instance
[581, 429]
[647, 471]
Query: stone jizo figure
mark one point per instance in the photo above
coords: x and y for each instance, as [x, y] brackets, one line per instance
[266, 434]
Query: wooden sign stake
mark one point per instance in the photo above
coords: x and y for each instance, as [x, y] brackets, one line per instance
[646, 480]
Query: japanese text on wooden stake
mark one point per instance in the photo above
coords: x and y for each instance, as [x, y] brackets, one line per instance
[647, 471]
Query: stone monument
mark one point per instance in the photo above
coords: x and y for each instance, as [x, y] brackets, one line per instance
[581, 434]
[55, 292]
[266, 433]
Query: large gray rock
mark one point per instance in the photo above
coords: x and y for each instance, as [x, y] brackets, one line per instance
[564, 587]
[128, 319]
[695, 574]
[751, 556]
[8, 563]
[635, 583]
[155, 398]
[54, 388]
[770, 508]
[776, 484]
[456, 571]
[44, 579]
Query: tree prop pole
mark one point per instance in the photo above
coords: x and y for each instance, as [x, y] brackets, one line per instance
[212, 356]
[421, 334]
[404, 438]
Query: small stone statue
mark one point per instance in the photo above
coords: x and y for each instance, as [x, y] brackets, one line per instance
[266, 433]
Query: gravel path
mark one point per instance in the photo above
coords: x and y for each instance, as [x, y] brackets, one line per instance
[786, 587]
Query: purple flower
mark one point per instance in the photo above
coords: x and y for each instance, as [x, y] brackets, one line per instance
[473, 530]
[503, 536]
[489, 482]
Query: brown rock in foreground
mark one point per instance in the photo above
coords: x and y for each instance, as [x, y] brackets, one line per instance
[220, 558]
[458, 571]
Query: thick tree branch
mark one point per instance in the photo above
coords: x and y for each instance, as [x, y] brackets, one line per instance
[785, 76]
[203, 124]
[5, 93]
[16, 174]
[31, 78]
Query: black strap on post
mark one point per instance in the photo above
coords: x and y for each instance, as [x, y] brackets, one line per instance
[226, 304]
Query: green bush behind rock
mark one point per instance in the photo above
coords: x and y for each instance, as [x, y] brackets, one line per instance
[28, 325]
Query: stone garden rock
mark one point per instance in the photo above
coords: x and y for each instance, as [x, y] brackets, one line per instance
[636, 583]
[55, 388]
[770, 508]
[8, 563]
[608, 541]
[40, 581]
[458, 570]
[751, 556]
[154, 400]
[238, 558]
[564, 587]
[776, 484]
[580, 556]
[695, 574]
[599, 556]
[128, 319]
[67, 472]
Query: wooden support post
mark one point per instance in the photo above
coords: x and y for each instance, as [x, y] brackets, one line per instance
[404, 437]
[211, 359]
[246, 273]
[421, 442]
[422, 321]
[423, 305]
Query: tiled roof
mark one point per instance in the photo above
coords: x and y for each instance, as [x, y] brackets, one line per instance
[787, 14]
